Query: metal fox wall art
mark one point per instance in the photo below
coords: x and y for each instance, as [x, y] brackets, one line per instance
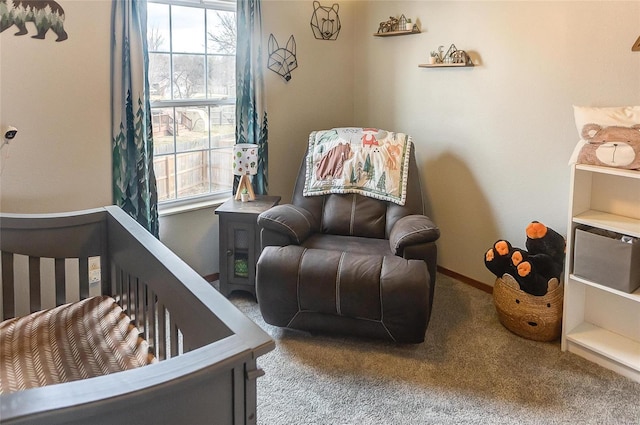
[282, 60]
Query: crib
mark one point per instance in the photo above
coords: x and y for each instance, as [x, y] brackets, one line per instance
[206, 349]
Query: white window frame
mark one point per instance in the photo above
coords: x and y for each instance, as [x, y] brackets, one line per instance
[173, 206]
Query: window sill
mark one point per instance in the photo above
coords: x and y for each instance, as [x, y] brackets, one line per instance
[185, 207]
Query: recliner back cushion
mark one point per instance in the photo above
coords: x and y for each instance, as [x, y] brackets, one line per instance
[354, 215]
[357, 215]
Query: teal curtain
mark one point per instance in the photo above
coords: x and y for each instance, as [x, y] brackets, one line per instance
[134, 183]
[251, 113]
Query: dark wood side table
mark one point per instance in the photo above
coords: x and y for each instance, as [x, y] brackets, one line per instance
[240, 242]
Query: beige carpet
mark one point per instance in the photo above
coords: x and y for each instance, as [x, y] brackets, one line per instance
[470, 370]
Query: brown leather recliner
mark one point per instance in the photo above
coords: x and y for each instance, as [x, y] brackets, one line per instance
[349, 264]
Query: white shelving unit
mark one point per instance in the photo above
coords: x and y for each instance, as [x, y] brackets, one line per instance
[600, 323]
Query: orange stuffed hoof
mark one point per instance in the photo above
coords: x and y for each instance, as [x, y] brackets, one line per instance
[516, 258]
[536, 230]
[530, 280]
[498, 258]
[502, 247]
[524, 269]
[489, 255]
[544, 240]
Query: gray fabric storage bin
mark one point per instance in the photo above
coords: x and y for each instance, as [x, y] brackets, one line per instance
[605, 259]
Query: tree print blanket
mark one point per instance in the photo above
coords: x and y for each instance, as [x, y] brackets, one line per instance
[367, 161]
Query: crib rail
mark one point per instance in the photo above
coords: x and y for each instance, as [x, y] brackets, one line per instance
[55, 256]
[45, 260]
[49, 260]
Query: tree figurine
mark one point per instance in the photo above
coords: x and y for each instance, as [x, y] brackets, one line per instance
[382, 182]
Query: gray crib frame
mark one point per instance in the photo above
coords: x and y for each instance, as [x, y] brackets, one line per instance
[207, 348]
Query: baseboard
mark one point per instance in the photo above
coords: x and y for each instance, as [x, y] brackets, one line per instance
[464, 279]
[212, 277]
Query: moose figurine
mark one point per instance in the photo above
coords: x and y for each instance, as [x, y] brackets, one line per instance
[388, 26]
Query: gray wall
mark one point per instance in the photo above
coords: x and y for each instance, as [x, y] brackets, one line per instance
[492, 141]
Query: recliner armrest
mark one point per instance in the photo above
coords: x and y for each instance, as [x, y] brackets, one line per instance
[287, 219]
[412, 230]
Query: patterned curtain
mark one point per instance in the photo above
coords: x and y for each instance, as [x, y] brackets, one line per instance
[134, 183]
[251, 113]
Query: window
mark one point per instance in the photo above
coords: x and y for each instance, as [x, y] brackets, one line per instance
[192, 47]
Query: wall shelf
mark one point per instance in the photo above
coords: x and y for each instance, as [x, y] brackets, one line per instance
[393, 33]
[445, 65]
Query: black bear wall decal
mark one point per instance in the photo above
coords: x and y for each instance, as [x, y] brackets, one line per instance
[325, 22]
[282, 60]
[45, 14]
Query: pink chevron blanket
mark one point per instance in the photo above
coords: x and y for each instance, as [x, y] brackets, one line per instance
[366, 161]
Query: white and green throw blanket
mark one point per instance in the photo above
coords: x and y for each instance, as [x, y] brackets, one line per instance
[367, 161]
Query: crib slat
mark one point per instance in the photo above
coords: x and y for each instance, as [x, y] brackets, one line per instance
[152, 321]
[21, 284]
[131, 302]
[105, 274]
[1, 302]
[161, 337]
[71, 279]
[140, 313]
[173, 339]
[83, 269]
[8, 303]
[61, 296]
[126, 291]
[123, 290]
[118, 276]
[47, 282]
[35, 300]
[135, 296]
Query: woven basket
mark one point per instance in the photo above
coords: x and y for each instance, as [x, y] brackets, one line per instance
[533, 317]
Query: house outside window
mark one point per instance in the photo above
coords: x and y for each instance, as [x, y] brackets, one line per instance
[192, 47]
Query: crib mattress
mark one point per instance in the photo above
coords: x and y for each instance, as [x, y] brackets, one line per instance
[80, 340]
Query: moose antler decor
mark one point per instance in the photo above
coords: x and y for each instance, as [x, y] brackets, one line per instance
[388, 26]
